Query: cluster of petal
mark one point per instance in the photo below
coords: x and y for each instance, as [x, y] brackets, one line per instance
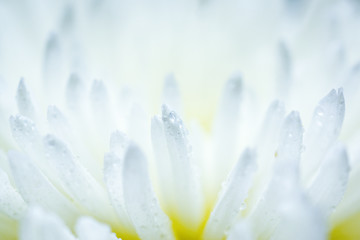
[270, 186]
[85, 160]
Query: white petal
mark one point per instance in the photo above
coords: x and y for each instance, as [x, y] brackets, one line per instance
[101, 104]
[323, 131]
[25, 134]
[11, 203]
[171, 94]
[349, 204]
[163, 163]
[28, 138]
[58, 122]
[231, 199]
[5, 166]
[268, 138]
[67, 20]
[266, 146]
[201, 151]
[24, 101]
[290, 142]
[61, 128]
[39, 225]
[113, 168]
[283, 71]
[119, 143]
[226, 127]
[189, 199]
[140, 200]
[75, 91]
[82, 186]
[285, 177]
[328, 187]
[99, 96]
[88, 228]
[241, 231]
[271, 124]
[298, 220]
[54, 71]
[35, 188]
[52, 54]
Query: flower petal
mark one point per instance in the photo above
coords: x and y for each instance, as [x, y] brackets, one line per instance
[40, 225]
[100, 106]
[328, 187]
[24, 101]
[99, 98]
[119, 143]
[285, 177]
[232, 197]
[271, 124]
[88, 228]
[58, 122]
[82, 186]
[290, 142]
[25, 134]
[265, 146]
[284, 69]
[189, 199]
[226, 126]
[28, 138]
[61, 128]
[74, 93]
[11, 203]
[323, 131]
[140, 200]
[163, 164]
[298, 220]
[241, 230]
[35, 188]
[54, 69]
[349, 208]
[113, 167]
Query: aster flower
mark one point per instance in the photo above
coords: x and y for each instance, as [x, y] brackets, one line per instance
[85, 160]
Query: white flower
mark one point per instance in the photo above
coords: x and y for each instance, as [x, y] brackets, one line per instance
[85, 160]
